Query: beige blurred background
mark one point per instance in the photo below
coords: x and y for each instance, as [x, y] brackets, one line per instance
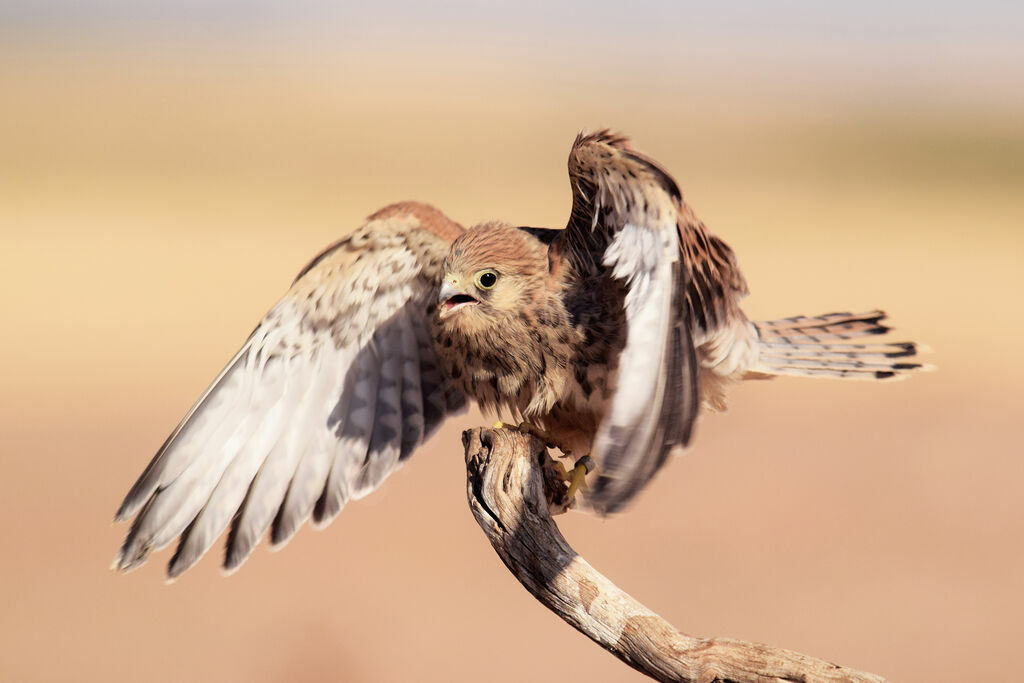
[166, 170]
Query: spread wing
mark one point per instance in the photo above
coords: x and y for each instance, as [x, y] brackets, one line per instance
[625, 223]
[330, 394]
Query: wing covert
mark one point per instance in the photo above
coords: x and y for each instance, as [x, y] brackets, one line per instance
[331, 393]
[714, 283]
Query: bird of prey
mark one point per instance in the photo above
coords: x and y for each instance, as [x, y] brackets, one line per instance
[607, 336]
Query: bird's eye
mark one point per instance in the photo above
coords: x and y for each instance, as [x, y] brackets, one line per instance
[486, 279]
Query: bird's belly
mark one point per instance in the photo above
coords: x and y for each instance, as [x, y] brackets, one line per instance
[573, 420]
[533, 379]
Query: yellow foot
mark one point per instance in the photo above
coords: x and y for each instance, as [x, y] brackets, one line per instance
[578, 478]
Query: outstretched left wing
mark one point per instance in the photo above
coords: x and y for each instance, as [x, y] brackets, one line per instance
[334, 389]
[625, 224]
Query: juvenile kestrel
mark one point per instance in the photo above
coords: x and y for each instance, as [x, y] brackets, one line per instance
[607, 335]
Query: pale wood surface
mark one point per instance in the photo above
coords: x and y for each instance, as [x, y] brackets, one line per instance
[512, 495]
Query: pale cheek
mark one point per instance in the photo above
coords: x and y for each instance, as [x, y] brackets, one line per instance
[464, 323]
[507, 299]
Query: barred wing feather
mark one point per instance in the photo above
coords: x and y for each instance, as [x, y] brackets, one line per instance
[330, 394]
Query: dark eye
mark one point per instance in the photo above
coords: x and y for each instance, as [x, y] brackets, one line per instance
[486, 279]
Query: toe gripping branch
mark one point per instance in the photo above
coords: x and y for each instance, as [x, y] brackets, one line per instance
[576, 479]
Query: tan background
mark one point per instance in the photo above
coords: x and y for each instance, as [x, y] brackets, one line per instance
[157, 194]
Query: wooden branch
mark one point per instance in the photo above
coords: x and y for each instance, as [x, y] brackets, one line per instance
[512, 495]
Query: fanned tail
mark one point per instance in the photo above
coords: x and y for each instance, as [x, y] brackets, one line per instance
[819, 346]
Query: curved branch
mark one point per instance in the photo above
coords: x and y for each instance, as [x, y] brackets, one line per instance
[512, 495]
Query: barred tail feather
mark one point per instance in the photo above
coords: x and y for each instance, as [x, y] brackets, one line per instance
[805, 346]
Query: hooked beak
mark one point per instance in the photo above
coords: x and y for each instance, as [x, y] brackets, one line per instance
[451, 299]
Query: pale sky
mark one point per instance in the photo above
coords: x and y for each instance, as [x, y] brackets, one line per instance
[878, 19]
[969, 44]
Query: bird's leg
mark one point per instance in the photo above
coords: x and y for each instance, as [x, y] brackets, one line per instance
[550, 440]
[578, 477]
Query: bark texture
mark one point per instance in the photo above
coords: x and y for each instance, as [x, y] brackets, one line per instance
[513, 494]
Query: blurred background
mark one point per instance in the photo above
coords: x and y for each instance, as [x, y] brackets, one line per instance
[166, 168]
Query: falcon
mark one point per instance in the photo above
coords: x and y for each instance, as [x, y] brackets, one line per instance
[607, 337]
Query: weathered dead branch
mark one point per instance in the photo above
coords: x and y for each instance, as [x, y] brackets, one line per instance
[512, 494]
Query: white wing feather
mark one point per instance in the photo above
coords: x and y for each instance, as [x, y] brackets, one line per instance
[624, 226]
[329, 395]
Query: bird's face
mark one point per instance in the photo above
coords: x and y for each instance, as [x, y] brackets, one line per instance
[488, 278]
[462, 291]
[480, 297]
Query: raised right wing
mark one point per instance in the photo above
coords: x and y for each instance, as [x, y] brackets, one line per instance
[625, 224]
[330, 394]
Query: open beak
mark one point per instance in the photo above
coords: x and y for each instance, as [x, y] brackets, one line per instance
[451, 299]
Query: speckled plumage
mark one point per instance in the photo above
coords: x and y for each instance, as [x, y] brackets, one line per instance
[610, 334]
[542, 352]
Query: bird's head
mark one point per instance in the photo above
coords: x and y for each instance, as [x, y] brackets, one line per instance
[491, 273]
